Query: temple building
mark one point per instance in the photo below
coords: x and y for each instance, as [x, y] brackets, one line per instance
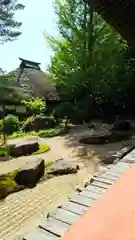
[34, 82]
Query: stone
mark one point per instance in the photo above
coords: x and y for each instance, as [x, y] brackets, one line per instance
[62, 168]
[23, 148]
[38, 123]
[3, 191]
[92, 126]
[109, 159]
[97, 138]
[121, 125]
[120, 135]
[30, 174]
[81, 151]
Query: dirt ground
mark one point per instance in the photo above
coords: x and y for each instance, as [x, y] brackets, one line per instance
[22, 211]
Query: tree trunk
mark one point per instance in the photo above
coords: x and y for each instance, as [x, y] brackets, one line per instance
[66, 123]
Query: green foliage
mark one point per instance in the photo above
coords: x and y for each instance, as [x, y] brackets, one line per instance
[8, 24]
[91, 64]
[59, 131]
[63, 110]
[35, 105]
[3, 152]
[10, 124]
[53, 132]
[38, 123]
[8, 90]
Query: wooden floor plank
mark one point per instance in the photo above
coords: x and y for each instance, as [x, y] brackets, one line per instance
[104, 180]
[125, 151]
[82, 200]
[95, 189]
[65, 216]
[129, 158]
[109, 174]
[100, 184]
[109, 177]
[74, 207]
[120, 166]
[54, 226]
[39, 234]
[89, 194]
[112, 216]
[113, 173]
[118, 171]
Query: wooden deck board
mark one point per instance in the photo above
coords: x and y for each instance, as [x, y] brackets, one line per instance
[39, 234]
[103, 180]
[89, 194]
[100, 184]
[109, 177]
[54, 226]
[110, 217]
[82, 200]
[65, 216]
[95, 189]
[129, 158]
[74, 207]
[125, 151]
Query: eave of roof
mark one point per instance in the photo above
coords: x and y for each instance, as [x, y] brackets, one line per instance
[119, 14]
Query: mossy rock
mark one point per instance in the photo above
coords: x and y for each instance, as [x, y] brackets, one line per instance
[42, 149]
[38, 123]
[122, 125]
[3, 191]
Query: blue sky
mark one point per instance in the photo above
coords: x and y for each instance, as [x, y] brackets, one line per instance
[37, 17]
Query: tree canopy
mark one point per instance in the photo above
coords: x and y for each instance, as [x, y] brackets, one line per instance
[92, 66]
[8, 25]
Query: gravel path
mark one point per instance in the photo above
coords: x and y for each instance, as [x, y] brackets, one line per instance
[22, 211]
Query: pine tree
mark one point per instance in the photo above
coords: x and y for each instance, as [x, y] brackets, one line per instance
[8, 25]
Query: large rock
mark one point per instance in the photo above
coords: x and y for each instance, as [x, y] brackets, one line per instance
[97, 138]
[120, 135]
[122, 125]
[62, 168]
[30, 173]
[23, 148]
[38, 123]
[3, 191]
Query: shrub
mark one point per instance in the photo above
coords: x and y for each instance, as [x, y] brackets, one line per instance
[52, 132]
[38, 123]
[64, 111]
[10, 124]
[35, 105]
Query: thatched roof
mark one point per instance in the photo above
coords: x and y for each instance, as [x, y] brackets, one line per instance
[120, 14]
[39, 83]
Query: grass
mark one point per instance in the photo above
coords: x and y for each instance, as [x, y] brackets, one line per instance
[42, 149]
[53, 132]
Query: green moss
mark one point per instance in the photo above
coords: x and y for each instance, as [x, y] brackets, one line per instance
[48, 164]
[53, 132]
[3, 151]
[42, 149]
[8, 184]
